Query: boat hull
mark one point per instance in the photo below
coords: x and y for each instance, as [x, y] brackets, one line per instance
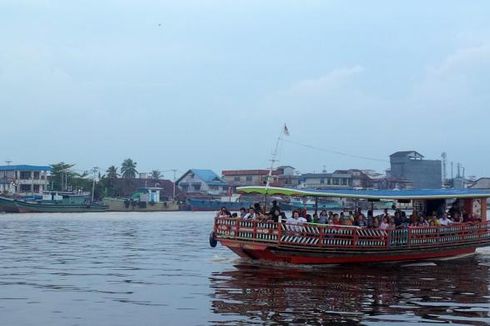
[7, 205]
[122, 205]
[198, 205]
[265, 252]
[26, 207]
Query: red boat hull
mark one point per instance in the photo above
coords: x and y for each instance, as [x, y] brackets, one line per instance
[266, 252]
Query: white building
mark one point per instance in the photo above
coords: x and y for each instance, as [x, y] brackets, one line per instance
[24, 179]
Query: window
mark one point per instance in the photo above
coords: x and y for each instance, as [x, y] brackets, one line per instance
[185, 188]
[36, 188]
[249, 178]
[196, 187]
[25, 175]
[322, 181]
[25, 188]
[36, 175]
[236, 179]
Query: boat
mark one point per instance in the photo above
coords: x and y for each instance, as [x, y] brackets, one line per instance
[232, 203]
[7, 205]
[60, 202]
[295, 204]
[145, 199]
[311, 243]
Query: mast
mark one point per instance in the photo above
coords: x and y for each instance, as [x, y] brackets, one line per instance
[284, 131]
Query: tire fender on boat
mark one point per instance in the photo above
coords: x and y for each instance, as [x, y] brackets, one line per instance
[212, 239]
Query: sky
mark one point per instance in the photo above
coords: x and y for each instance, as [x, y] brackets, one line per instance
[210, 84]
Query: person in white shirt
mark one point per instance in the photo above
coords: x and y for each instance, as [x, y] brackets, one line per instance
[250, 214]
[444, 221]
[296, 219]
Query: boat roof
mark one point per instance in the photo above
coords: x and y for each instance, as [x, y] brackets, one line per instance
[371, 194]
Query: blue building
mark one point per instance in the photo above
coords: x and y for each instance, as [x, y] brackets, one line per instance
[24, 179]
[202, 181]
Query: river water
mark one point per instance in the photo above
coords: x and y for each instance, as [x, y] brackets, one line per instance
[158, 269]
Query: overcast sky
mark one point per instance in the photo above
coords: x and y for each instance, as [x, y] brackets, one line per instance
[209, 84]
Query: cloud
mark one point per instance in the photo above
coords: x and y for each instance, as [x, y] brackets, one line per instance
[461, 77]
[327, 83]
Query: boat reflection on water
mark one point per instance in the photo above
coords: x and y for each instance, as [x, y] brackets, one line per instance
[453, 291]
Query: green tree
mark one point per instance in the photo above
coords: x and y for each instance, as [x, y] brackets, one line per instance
[60, 174]
[156, 175]
[112, 173]
[128, 169]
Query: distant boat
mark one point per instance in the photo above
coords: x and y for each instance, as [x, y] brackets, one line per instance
[145, 199]
[60, 202]
[310, 205]
[232, 203]
[7, 205]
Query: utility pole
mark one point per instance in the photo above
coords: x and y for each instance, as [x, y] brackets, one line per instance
[94, 171]
[175, 179]
[444, 166]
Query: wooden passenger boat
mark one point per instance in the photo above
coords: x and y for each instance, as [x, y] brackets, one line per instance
[310, 243]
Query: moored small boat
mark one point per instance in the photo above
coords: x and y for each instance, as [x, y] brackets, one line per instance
[197, 204]
[7, 205]
[310, 243]
[60, 202]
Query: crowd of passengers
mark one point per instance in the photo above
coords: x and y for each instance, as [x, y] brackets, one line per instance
[384, 221]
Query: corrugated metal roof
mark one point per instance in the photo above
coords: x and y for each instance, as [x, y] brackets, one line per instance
[405, 153]
[24, 167]
[372, 194]
[208, 176]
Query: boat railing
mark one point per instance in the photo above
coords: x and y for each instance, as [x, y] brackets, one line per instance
[336, 236]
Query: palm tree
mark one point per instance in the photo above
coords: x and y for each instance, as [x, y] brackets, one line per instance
[156, 175]
[112, 172]
[128, 169]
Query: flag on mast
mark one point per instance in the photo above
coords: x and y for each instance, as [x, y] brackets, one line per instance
[286, 130]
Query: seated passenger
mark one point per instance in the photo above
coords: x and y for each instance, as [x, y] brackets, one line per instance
[384, 225]
[434, 221]
[308, 218]
[274, 207]
[456, 217]
[258, 209]
[296, 218]
[276, 215]
[250, 214]
[360, 221]
[444, 220]
[345, 220]
[243, 212]
[336, 220]
[323, 217]
[223, 212]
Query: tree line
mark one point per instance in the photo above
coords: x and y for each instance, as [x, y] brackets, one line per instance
[114, 182]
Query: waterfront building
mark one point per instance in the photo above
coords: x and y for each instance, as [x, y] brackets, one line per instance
[125, 187]
[24, 179]
[324, 180]
[281, 177]
[482, 183]
[411, 168]
[237, 178]
[202, 181]
[339, 179]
